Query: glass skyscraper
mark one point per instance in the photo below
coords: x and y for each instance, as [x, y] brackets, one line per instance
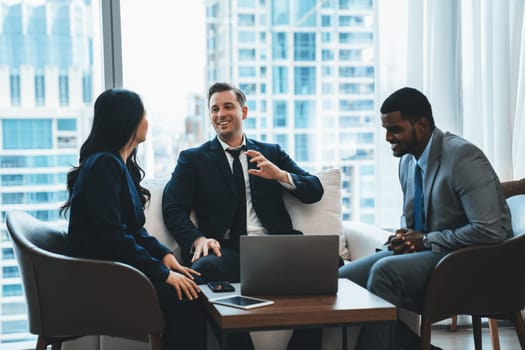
[307, 67]
[46, 90]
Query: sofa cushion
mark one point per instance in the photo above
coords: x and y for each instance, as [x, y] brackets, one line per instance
[323, 217]
[153, 211]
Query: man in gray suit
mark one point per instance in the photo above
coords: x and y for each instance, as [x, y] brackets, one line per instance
[452, 198]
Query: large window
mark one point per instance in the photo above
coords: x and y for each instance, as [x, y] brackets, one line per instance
[305, 114]
[171, 83]
[40, 90]
[27, 134]
[304, 46]
[246, 37]
[14, 89]
[63, 89]
[280, 114]
[280, 46]
[305, 14]
[305, 80]
[280, 80]
[303, 149]
[305, 66]
[280, 12]
[50, 68]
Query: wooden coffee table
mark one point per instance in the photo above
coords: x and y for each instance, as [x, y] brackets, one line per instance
[352, 305]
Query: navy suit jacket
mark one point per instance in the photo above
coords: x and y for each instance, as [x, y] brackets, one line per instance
[106, 218]
[203, 181]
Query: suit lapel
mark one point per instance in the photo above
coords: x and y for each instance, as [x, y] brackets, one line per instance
[251, 146]
[434, 162]
[217, 154]
[252, 179]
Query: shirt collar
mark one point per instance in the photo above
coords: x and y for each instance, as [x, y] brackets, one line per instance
[423, 160]
[225, 146]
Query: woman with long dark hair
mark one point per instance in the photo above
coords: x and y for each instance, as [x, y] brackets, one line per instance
[106, 213]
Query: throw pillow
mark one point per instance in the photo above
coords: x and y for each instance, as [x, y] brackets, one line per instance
[323, 217]
[153, 211]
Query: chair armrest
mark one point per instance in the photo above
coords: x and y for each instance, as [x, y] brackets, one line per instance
[512, 188]
[363, 239]
[103, 297]
[481, 280]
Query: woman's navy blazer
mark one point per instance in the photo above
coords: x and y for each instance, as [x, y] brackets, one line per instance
[107, 218]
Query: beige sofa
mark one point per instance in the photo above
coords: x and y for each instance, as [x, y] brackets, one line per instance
[356, 240]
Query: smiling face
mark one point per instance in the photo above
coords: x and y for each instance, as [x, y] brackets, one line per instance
[226, 115]
[405, 136]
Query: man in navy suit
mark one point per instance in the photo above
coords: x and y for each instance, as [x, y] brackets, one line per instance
[203, 182]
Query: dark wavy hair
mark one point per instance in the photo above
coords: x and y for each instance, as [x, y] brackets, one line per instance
[117, 114]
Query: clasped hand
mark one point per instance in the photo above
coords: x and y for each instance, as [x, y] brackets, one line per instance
[181, 278]
[405, 241]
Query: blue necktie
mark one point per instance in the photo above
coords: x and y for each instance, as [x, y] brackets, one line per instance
[418, 201]
[238, 226]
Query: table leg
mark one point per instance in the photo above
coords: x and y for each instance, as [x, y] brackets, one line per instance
[345, 337]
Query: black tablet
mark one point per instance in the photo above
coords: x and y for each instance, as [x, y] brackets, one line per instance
[241, 301]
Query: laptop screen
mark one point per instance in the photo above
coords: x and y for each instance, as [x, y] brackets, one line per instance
[289, 264]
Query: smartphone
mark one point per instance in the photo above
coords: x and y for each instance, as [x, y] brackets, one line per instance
[219, 287]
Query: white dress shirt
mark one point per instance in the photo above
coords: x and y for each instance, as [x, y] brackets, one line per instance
[253, 224]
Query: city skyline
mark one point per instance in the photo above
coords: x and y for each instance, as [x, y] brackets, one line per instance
[46, 72]
[307, 69]
[309, 83]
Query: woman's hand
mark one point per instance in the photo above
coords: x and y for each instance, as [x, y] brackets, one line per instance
[180, 278]
[183, 284]
[171, 263]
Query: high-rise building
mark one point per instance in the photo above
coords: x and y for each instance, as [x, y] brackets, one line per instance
[46, 91]
[307, 68]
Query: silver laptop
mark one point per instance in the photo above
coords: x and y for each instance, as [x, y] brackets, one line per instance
[289, 264]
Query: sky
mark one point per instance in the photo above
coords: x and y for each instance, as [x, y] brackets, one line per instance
[163, 48]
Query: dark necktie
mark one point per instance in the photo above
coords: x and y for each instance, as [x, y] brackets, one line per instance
[418, 201]
[238, 226]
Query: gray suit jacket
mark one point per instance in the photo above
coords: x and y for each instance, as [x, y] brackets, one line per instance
[464, 201]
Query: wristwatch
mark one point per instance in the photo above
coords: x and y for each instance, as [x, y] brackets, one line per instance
[426, 243]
